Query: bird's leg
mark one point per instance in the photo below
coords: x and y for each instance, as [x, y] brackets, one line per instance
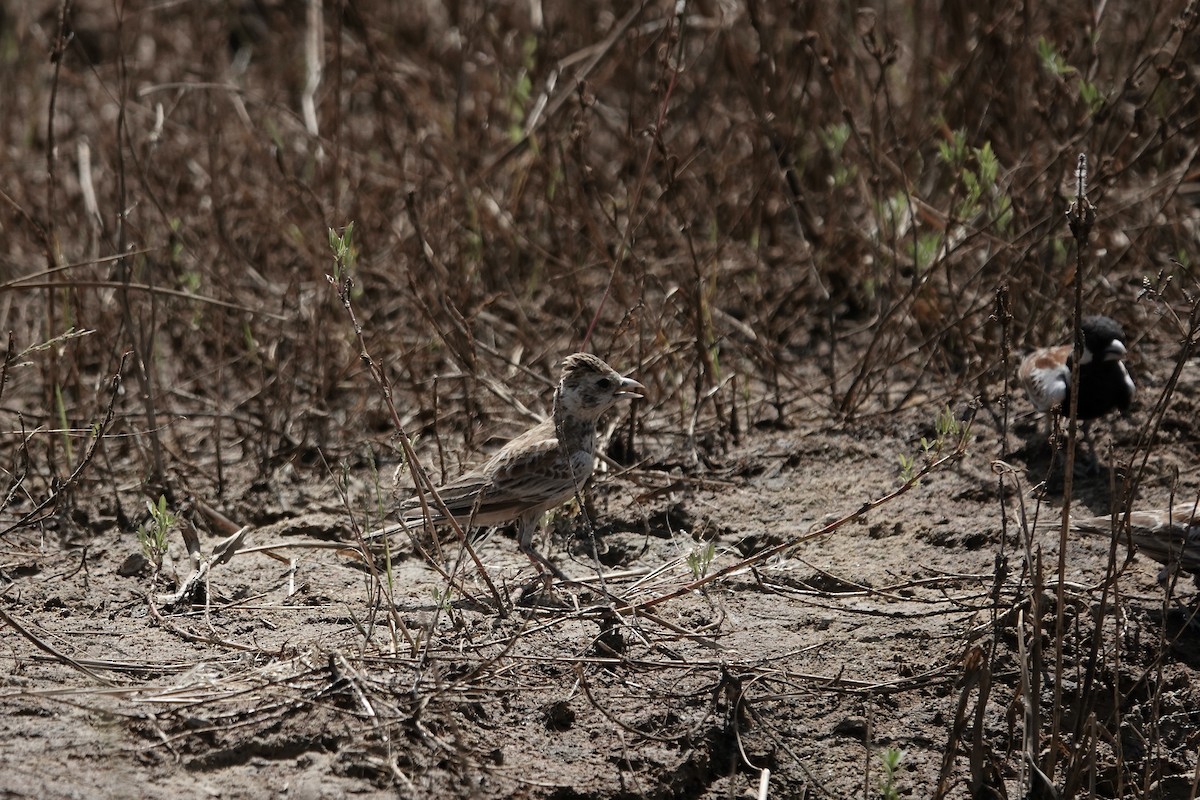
[1091, 463]
[525, 545]
[1050, 421]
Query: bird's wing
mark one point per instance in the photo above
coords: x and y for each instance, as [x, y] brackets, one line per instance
[1101, 525]
[532, 471]
[528, 473]
[1046, 376]
[1167, 538]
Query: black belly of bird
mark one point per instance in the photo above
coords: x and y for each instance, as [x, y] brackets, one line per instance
[1103, 388]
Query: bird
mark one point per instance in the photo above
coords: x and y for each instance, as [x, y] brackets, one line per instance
[1104, 382]
[1170, 537]
[542, 468]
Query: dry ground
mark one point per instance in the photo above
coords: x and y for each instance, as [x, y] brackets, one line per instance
[811, 229]
[294, 683]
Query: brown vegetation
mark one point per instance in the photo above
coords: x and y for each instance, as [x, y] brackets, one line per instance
[820, 234]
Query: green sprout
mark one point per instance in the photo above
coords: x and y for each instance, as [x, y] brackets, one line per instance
[950, 432]
[345, 253]
[1052, 60]
[700, 559]
[154, 535]
[891, 758]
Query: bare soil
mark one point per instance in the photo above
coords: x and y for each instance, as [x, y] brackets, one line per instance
[812, 230]
[293, 681]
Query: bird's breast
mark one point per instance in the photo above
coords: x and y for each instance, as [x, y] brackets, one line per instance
[581, 463]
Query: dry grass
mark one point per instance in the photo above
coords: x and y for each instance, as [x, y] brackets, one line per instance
[771, 214]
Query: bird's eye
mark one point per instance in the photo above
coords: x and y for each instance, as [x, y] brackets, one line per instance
[605, 383]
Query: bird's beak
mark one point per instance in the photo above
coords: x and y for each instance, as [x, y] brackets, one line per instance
[630, 388]
[1115, 351]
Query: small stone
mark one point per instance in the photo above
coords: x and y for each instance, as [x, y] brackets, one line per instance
[133, 564]
[559, 716]
[854, 726]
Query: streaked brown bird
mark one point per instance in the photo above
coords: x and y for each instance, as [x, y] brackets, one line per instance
[1170, 537]
[543, 467]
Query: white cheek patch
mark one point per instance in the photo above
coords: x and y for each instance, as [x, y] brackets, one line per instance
[1128, 380]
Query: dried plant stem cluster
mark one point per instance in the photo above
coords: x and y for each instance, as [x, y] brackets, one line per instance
[821, 236]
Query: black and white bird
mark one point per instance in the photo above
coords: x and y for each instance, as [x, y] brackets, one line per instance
[540, 469]
[1170, 537]
[1104, 383]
